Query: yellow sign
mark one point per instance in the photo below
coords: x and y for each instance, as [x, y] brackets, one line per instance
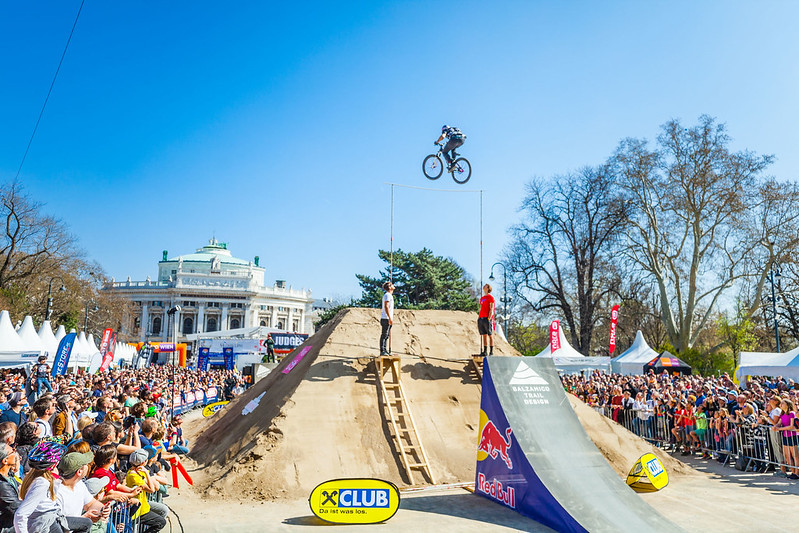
[212, 408]
[647, 474]
[355, 501]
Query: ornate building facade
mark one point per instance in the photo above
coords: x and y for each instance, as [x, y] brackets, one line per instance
[215, 291]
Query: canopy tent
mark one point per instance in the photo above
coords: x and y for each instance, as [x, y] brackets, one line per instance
[49, 342]
[633, 359]
[666, 362]
[570, 361]
[60, 333]
[12, 348]
[784, 364]
[30, 339]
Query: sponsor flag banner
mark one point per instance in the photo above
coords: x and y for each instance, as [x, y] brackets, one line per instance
[106, 340]
[202, 358]
[554, 336]
[614, 316]
[61, 361]
[647, 474]
[230, 360]
[108, 356]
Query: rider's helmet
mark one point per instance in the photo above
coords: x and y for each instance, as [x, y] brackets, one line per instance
[46, 454]
[444, 128]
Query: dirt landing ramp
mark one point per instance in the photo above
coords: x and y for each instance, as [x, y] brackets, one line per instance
[322, 419]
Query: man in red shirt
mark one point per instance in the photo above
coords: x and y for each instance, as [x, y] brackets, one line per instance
[485, 320]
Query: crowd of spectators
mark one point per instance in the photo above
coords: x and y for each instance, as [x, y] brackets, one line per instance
[701, 414]
[74, 448]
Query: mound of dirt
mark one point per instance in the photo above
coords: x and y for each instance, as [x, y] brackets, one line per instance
[621, 447]
[322, 419]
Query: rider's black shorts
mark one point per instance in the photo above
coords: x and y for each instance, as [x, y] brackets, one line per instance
[484, 326]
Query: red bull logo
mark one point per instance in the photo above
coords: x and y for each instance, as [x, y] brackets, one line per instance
[492, 442]
[495, 490]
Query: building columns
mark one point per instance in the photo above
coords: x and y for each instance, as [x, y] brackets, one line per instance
[199, 327]
[145, 322]
[223, 325]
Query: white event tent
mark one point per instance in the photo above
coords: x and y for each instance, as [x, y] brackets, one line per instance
[632, 361]
[769, 364]
[570, 361]
[30, 339]
[49, 342]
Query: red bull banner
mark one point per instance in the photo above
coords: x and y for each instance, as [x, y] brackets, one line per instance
[108, 356]
[504, 473]
[106, 340]
[614, 316]
[554, 336]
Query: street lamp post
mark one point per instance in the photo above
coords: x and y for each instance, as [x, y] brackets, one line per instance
[171, 313]
[50, 295]
[775, 272]
[505, 299]
[86, 317]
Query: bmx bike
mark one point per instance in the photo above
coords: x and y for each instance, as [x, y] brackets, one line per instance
[433, 166]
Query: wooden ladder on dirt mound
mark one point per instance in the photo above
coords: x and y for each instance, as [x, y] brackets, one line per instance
[398, 413]
[477, 363]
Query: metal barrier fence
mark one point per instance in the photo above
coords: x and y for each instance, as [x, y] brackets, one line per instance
[121, 520]
[747, 447]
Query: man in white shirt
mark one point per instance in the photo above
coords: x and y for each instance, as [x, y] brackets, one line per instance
[80, 508]
[386, 317]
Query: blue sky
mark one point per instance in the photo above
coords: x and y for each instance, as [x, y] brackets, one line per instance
[275, 126]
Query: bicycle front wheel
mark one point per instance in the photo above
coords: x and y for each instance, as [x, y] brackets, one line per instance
[461, 170]
[432, 167]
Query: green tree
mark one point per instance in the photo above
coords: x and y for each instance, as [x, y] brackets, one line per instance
[423, 281]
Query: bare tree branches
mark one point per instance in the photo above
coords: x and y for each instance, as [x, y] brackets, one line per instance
[560, 255]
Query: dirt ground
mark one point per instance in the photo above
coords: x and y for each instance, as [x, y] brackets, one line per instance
[324, 422]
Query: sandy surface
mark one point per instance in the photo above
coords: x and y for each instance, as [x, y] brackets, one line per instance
[325, 422]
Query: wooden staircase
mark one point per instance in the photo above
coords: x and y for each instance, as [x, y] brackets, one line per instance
[398, 413]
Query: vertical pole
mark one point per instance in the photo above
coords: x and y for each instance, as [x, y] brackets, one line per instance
[481, 242]
[774, 309]
[391, 261]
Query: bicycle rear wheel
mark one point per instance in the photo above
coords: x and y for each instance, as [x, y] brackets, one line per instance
[432, 167]
[461, 170]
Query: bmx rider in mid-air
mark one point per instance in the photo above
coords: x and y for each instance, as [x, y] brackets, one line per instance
[454, 140]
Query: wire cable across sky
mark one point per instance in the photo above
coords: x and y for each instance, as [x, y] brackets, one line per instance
[38, 120]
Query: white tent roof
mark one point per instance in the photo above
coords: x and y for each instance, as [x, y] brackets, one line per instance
[569, 360]
[9, 339]
[30, 339]
[49, 342]
[769, 364]
[92, 343]
[565, 349]
[60, 333]
[634, 358]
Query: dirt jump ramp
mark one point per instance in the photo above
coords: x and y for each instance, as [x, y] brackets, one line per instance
[318, 415]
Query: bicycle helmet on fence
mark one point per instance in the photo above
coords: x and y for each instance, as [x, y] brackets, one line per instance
[46, 454]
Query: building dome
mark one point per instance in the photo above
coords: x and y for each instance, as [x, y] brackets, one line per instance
[214, 249]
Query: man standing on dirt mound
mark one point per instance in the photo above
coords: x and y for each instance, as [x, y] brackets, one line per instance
[386, 317]
[484, 320]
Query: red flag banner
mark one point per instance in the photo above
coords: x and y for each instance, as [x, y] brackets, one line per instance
[554, 336]
[106, 339]
[614, 316]
[108, 355]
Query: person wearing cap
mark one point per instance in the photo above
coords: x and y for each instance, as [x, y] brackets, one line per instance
[78, 505]
[39, 510]
[16, 404]
[9, 487]
[149, 513]
[95, 486]
[41, 374]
